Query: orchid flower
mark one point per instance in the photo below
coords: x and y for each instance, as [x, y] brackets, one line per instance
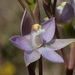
[64, 12]
[36, 40]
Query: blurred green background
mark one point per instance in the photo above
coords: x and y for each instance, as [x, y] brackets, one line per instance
[11, 58]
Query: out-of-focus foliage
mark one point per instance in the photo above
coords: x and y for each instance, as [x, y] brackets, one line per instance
[30, 1]
[7, 69]
[31, 4]
[11, 60]
[69, 30]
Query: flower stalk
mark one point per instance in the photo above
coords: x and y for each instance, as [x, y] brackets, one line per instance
[69, 71]
[54, 7]
[31, 70]
[70, 68]
[22, 4]
[62, 50]
[72, 57]
[47, 7]
[40, 66]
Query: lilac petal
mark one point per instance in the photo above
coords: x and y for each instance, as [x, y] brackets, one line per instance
[50, 55]
[67, 13]
[26, 23]
[59, 43]
[21, 42]
[49, 27]
[31, 57]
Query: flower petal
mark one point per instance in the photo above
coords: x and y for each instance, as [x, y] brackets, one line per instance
[49, 27]
[31, 57]
[50, 55]
[26, 23]
[21, 42]
[59, 43]
[67, 13]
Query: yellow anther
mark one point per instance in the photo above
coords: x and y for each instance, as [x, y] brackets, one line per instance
[63, 4]
[36, 27]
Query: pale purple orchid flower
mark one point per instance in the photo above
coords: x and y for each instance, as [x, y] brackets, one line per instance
[37, 43]
[64, 12]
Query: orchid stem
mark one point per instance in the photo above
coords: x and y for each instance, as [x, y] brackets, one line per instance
[62, 50]
[47, 8]
[69, 71]
[31, 71]
[22, 4]
[40, 66]
[54, 7]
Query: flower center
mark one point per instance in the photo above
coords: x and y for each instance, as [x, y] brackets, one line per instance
[63, 4]
[60, 8]
[36, 27]
[36, 35]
